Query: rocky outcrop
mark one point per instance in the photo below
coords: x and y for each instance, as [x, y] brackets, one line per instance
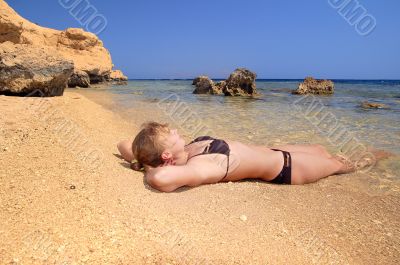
[205, 85]
[371, 105]
[197, 79]
[79, 79]
[240, 83]
[313, 86]
[220, 86]
[85, 49]
[117, 75]
[87, 52]
[25, 68]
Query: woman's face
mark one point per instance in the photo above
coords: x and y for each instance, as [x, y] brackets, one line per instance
[174, 143]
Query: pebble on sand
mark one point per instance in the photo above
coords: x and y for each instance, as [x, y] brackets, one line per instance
[243, 218]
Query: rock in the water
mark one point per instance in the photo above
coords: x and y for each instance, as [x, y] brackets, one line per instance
[80, 79]
[85, 49]
[313, 86]
[197, 79]
[117, 75]
[241, 82]
[220, 86]
[370, 105]
[205, 85]
[25, 68]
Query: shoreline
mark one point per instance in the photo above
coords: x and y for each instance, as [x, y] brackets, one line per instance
[58, 207]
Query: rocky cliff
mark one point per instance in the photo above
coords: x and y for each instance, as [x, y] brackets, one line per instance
[91, 60]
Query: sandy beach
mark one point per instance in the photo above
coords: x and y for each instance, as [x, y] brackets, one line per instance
[275, 76]
[67, 198]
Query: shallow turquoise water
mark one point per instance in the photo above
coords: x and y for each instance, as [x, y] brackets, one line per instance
[276, 116]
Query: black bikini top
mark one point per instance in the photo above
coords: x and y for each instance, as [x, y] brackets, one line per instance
[217, 146]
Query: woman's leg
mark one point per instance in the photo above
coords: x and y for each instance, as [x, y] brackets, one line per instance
[308, 168]
[313, 149]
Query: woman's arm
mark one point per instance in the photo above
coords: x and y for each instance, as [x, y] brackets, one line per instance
[125, 148]
[170, 178]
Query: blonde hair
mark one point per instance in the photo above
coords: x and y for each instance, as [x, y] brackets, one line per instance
[148, 145]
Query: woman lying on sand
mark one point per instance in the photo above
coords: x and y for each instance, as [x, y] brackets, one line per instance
[170, 164]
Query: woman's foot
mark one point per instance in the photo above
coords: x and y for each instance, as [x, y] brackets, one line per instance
[347, 165]
[369, 159]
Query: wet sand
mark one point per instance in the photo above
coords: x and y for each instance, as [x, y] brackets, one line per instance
[67, 198]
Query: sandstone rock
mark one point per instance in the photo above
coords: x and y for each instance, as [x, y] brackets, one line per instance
[370, 105]
[197, 79]
[96, 79]
[313, 86]
[205, 85]
[241, 83]
[83, 48]
[220, 85]
[25, 68]
[80, 79]
[117, 75]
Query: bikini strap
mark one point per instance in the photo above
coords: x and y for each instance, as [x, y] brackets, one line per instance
[287, 160]
[227, 168]
[202, 138]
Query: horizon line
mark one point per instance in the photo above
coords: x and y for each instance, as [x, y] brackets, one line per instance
[257, 79]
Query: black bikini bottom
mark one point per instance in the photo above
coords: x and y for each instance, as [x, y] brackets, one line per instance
[285, 176]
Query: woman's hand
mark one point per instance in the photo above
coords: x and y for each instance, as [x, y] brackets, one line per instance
[169, 162]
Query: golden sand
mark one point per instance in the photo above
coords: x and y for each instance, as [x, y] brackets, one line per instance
[66, 198]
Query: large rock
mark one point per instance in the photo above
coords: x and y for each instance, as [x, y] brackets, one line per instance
[241, 82]
[313, 86]
[205, 85]
[197, 79]
[83, 48]
[25, 68]
[117, 75]
[79, 79]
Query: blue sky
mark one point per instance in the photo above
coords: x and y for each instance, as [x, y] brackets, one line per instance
[275, 39]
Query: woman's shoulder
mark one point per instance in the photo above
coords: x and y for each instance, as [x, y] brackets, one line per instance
[202, 138]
